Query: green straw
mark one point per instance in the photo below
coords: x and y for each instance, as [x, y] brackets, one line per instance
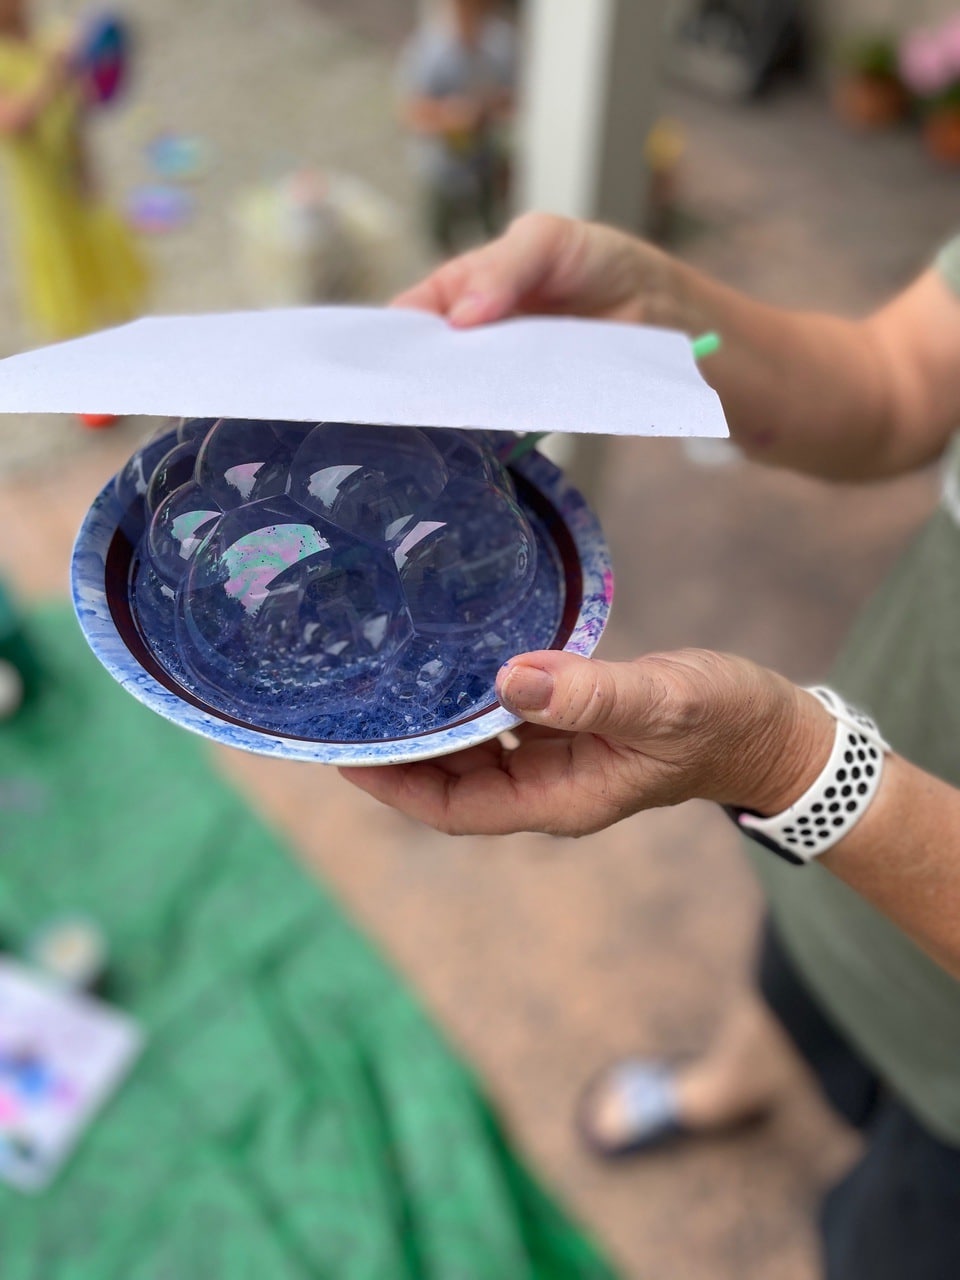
[526, 444]
[706, 345]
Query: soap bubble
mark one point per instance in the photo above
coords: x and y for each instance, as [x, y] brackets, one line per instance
[284, 615]
[469, 454]
[421, 672]
[370, 480]
[179, 525]
[153, 601]
[334, 581]
[173, 470]
[130, 485]
[195, 429]
[469, 559]
[243, 460]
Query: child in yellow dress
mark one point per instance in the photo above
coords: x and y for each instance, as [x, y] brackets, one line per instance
[76, 263]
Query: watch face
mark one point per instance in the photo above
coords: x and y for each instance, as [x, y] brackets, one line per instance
[758, 837]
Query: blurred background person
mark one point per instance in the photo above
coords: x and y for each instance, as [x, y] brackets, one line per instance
[458, 80]
[77, 267]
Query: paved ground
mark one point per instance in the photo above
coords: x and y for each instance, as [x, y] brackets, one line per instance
[542, 958]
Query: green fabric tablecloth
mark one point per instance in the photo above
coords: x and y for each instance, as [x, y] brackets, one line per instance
[294, 1114]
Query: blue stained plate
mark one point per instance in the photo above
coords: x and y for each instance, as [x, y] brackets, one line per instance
[100, 574]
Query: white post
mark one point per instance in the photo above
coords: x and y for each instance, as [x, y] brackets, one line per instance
[590, 91]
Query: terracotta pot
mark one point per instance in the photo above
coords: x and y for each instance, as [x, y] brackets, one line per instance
[941, 135]
[865, 101]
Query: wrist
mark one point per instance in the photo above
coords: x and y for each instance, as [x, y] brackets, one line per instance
[794, 746]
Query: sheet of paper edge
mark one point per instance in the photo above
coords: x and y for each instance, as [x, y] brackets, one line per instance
[376, 365]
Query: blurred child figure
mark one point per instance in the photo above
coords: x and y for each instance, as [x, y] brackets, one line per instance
[76, 264]
[458, 76]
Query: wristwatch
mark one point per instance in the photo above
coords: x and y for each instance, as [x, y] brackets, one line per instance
[838, 798]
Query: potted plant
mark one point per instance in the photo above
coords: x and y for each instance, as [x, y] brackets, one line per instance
[930, 67]
[869, 93]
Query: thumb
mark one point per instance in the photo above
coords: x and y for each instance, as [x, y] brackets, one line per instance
[578, 695]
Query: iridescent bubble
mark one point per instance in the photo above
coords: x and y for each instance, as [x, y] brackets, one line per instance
[336, 581]
[195, 429]
[179, 525]
[131, 483]
[469, 559]
[292, 434]
[421, 672]
[153, 606]
[369, 480]
[470, 455]
[284, 617]
[173, 470]
[243, 460]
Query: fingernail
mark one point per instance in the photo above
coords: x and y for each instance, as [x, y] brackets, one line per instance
[466, 308]
[526, 689]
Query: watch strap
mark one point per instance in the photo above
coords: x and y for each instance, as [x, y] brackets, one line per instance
[839, 797]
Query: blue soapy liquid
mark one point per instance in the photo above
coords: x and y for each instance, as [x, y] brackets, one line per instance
[341, 583]
[154, 602]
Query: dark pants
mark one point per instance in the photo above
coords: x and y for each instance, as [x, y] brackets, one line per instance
[451, 215]
[896, 1215]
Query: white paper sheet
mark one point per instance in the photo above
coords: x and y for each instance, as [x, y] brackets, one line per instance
[376, 365]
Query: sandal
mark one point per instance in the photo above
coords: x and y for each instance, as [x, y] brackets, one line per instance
[651, 1114]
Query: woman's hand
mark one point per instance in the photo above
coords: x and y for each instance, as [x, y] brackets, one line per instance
[549, 265]
[605, 740]
[842, 399]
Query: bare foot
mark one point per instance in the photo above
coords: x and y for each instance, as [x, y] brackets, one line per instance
[746, 1070]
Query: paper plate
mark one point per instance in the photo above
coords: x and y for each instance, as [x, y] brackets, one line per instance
[99, 577]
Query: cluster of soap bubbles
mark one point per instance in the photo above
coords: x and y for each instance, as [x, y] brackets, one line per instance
[334, 581]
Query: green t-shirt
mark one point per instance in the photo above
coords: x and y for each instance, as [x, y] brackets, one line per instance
[902, 664]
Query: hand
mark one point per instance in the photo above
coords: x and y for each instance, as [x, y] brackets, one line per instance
[549, 265]
[605, 740]
[463, 114]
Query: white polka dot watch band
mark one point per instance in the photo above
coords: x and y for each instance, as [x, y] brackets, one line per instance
[837, 799]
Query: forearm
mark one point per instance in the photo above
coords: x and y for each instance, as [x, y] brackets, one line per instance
[842, 399]
[903, 856]
[800, 390]
[837, 398]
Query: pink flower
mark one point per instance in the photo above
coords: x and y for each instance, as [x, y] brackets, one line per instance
[924, 64]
